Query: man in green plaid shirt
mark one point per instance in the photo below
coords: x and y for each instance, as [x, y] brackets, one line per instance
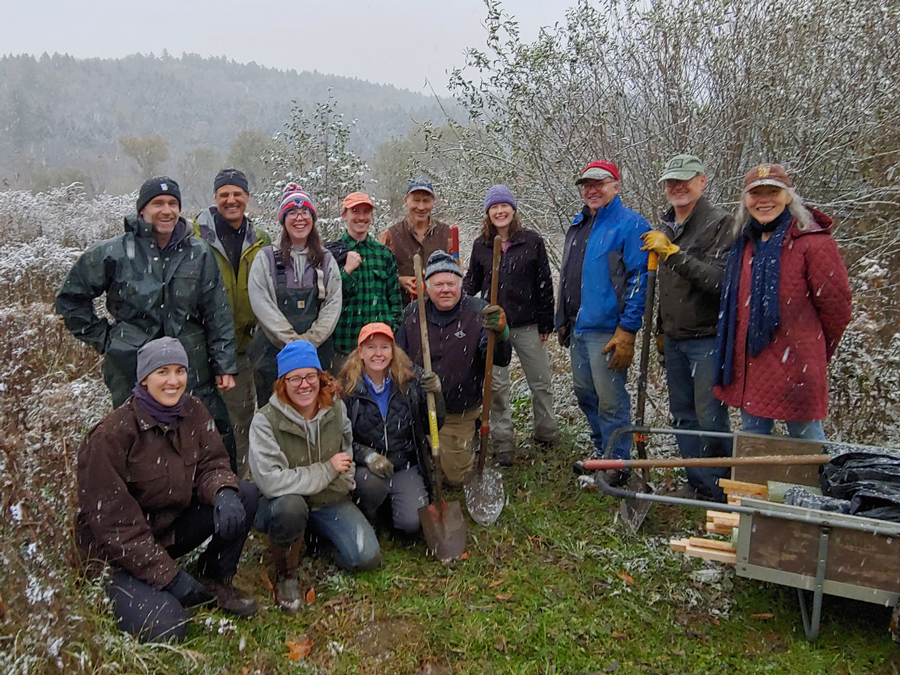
[371, 291]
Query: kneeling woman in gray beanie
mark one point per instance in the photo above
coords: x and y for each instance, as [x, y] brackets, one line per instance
[155, 482]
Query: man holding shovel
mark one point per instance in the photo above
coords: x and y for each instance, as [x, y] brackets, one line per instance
[601, 305]
[457, 328]
[693, 244]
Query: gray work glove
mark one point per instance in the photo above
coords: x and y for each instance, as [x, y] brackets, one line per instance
[379, 465]
[188, 591]
[431, 383]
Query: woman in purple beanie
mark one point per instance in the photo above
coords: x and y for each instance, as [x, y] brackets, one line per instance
[526, 294]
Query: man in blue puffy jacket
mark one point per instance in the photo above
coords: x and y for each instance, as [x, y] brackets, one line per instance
[601, 304]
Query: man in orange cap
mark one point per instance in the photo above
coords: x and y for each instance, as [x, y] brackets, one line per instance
[371, 290]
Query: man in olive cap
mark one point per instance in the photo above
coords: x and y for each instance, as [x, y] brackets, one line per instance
[159, 281]
[693, 244]
[227, 228]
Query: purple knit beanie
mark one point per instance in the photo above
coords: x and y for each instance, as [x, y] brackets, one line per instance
[499, 194]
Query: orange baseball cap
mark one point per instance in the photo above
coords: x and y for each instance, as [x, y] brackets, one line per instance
[376, 328]
[355, 199]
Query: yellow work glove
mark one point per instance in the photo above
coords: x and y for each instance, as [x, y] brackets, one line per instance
[659, 242]
[622, 346]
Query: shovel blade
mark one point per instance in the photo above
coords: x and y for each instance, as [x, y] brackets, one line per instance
[485, 497]
[634, 511]
[445, 530]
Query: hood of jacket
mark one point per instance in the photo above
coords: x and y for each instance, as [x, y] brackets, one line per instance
[305, 428]
[137, 226]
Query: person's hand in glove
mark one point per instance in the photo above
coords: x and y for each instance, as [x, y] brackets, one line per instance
[379, 465]
[431, 383]
[495, 320]
[188, 591]
[657, 241]
[228, 513]
[622, 347]
[564, 336]
[660, 343]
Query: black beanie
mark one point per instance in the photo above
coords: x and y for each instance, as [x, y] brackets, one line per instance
[231, 177]
[158, 185]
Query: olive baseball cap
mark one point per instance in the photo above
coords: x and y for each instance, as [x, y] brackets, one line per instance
[682, 167]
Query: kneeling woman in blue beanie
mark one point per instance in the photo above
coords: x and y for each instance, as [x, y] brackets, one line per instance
[154, 483]
[300, 456]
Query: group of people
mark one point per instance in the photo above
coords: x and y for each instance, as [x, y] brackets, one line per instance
[281, 387]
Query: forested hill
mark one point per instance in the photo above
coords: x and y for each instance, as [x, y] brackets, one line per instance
[60, 114]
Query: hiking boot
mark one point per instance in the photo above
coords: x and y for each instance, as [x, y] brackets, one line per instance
[230, 599]
[686, 491]
[504, 458]
[287, 594]
[287, 585]
[545, 445]
[617, 477]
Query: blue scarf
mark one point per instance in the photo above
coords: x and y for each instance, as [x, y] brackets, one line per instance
[381, 394]
[164, 414]
[765, 308]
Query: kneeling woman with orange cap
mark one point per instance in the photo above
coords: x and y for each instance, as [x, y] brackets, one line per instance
[386, 399]
[300, 445]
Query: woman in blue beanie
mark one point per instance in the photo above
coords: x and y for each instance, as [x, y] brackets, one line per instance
[301, 459]
[526, 295]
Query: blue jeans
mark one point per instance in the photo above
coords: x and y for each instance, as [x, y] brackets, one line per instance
[355, 546]
[812, 430]
[690, 374]
[600, 392]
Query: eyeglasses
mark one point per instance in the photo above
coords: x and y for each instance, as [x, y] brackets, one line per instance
[297, 380]
[595, 186]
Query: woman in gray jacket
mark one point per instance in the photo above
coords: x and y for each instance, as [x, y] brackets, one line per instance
[300, 456]
[294, 290]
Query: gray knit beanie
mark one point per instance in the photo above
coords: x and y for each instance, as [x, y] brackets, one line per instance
[164, 351]
[441, 261]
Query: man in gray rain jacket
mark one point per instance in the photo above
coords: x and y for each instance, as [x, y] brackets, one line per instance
[159, 281]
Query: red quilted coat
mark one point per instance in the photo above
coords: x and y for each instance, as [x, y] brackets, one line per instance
[788, 380]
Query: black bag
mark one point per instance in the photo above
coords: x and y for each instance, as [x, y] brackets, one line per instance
[870, 480]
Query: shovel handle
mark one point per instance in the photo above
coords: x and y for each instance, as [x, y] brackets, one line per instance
[489, 359]
[763, 460]
[429, 397]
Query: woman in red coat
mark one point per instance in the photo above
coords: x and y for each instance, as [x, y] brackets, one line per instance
[785, 305]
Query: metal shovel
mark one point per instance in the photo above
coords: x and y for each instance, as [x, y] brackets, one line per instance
[633, 512]
[484, 488]
[442, 522]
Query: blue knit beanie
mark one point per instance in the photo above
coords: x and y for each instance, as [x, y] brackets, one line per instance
[499, 194]
[297, 354]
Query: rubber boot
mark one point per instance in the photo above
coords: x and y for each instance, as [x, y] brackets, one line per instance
[287, 585]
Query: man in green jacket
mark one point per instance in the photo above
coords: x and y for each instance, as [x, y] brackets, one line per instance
[371, 290]
[159, 281]
[235, 243]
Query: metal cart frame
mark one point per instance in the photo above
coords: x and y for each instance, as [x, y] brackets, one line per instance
[810, 578]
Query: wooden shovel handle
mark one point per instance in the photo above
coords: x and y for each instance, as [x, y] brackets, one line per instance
[763, 460]
[489, 358]
[429, 397]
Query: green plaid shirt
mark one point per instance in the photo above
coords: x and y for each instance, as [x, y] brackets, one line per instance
[371, 293]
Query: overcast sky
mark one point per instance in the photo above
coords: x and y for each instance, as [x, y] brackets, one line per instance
[396, 42]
